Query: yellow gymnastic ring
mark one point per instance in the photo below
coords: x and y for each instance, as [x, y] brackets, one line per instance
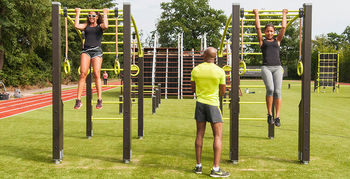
[79, 70]
[116, 67]
[66, 66]
[226, 68]
[300, 68]
[242, 68]
[136, 69]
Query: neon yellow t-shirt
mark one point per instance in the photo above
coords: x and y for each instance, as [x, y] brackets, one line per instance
[208, 77]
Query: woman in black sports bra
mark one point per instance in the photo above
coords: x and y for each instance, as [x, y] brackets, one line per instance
[92, 51]
[271, 70]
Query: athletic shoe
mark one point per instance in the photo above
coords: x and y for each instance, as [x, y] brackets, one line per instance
[197, 170]
[99, 104]
[278, 122]
[270, 119]
[78, 104]
[219, 173]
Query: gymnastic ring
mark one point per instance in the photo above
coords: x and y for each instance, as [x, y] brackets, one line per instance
[300, 69]
[242, 68]
[116, 67]
[226, 68]
[79, 70]
[66, 66]
[136, 69]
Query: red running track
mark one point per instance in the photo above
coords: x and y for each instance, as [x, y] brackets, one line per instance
[21, 105]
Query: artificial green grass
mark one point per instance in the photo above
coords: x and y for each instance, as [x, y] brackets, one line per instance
[167, 149]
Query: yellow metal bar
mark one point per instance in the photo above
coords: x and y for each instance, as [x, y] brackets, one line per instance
[270, 15]
[251, 53]
[95, 10]
[140, 51]
[265, 20]
[222, 42]
[113, 53]
[289, 11]
[111, 42]
[112, 33]
[290, 22]
[252, 43]
[110, 19]
[85, 14]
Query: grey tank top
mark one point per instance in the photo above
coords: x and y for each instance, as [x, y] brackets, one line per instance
[93, 36]
[271, 53]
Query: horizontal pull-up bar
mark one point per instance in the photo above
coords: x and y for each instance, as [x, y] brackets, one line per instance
[271, 14]
[251, 11]
[110, 19]
[111, 33]
[85, 14]
[111, 43]
[252, 26]
[96, 10]
[265, 20]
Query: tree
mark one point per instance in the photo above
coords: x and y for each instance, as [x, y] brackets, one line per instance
[193, 18]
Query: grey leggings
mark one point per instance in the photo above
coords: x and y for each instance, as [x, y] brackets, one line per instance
[272, 76]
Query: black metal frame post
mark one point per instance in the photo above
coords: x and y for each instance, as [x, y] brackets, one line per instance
[57, 104]
[127, 84]
[304, 105]
[234, 105]
[88, 98]
[140, 96]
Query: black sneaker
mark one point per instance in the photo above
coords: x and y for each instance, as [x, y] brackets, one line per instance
[219, 173]
[197, 170]
[99, 104]
[278, 122]
[270, 119]
[78, 104]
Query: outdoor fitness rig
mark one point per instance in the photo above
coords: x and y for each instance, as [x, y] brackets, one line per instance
[237, 67]
[127, 101]
[246, 16]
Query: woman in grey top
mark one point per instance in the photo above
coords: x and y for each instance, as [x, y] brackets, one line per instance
[92, 52]
[272, 71]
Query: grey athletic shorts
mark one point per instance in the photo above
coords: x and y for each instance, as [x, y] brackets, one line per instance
[207, 113]
[93, 51]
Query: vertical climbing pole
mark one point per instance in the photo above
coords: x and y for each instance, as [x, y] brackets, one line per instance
[127, 84]
[57, 104]
[234, 105]
[304, 105]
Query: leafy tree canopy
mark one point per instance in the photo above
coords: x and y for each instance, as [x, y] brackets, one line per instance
[193, 18]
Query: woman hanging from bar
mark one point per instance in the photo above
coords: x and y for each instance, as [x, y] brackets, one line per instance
[92, 52]
[271, 70]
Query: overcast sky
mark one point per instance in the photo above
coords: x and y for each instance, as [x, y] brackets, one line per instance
[328, 15]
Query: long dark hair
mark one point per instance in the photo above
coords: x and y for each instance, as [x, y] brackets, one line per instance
[99, 20]
[269, 25]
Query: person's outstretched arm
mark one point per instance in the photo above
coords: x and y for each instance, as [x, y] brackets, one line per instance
[284, 26]
[104, 25]
[77, 25]
[257, 26]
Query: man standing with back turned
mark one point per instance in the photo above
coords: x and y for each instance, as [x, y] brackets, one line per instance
[208, 81]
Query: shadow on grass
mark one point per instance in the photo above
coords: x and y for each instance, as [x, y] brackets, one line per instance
[268, 159]
[31, 154]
